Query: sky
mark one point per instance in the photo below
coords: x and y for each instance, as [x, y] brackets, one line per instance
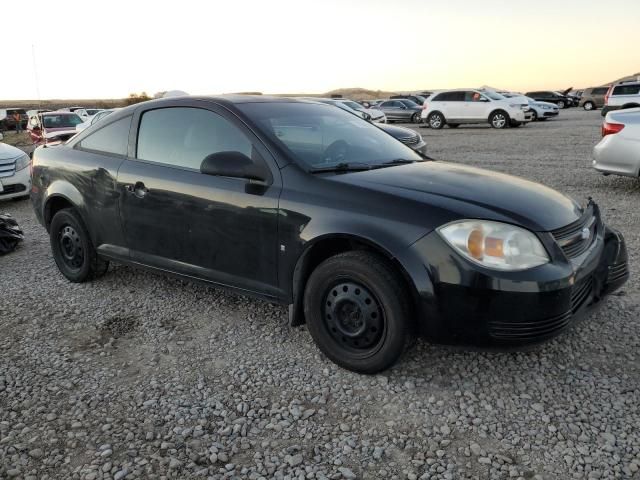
[80, 49]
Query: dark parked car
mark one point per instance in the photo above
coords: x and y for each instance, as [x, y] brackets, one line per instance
[400, 110]
[7, 120]
[306, 205]
[552, 97]
[417, 99]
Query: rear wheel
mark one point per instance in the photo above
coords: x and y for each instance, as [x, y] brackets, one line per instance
[588, 106]
[416, 118]
[72, 249]
[357, 311]
[499, 119]
[436, 120]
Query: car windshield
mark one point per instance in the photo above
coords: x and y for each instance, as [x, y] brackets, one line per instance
[61, 121]
[320, 137]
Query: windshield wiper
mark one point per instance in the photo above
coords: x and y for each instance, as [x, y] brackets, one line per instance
[343, 167]
[397, 161]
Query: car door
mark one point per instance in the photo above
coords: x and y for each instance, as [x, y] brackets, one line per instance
[453, 105]
[474, 106]
[176, 218]
[392, 109]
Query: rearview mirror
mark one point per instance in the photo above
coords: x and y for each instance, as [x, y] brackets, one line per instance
[233, 164]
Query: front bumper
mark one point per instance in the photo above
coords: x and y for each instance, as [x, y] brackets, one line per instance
[550, 113]
[17, 185]
[462, 303]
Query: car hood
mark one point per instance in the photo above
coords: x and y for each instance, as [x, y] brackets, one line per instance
[8, 152]
[546, 104]
[459, 191]
[375, 113]
[55, 132]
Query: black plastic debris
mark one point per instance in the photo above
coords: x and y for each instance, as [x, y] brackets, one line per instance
[10, 234]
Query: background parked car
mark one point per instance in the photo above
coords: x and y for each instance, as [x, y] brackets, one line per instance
[419, 99]
[455, 107]
[7, 122]
[539, 110]
[52, 128]
[401, 110]
[86, 113]
[622, 95]
[552, 97]
[94, 119]
[15, 180]
[593, 98]
[619, 150]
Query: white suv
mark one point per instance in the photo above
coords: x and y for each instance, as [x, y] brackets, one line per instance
[622, 95]
[454, 107]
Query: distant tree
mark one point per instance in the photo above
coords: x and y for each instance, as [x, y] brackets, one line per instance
[137, 98]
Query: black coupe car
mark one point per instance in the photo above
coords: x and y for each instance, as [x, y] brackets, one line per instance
[307, 205]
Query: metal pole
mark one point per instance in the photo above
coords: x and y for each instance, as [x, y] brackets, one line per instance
[35, 74]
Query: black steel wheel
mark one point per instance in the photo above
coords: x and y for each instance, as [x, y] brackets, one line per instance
[357, 311]
[72, 249]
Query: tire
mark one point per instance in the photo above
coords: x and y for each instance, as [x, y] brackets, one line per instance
[436, 120]
[588, 106]
[72, 249]
[357, 311]
[499, 119]
[453, 125]
[416, 118]
[534, 116]
[561, 104]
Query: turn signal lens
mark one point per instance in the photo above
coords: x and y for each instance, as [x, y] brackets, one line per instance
[495, 245]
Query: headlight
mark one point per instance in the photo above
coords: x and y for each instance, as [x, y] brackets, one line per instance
[22, 162]
[495, 245]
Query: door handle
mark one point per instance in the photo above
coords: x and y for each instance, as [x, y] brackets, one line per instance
[138, 189]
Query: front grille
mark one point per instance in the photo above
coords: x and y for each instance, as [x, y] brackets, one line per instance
[10, 189]
[7, 168]
[581, 293]
[529, 330]
[616, 272]
[409, 140]
[577, 237]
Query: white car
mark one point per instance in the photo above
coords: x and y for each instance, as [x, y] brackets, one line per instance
[621, 96]
[539, 110]
[353, 107]
[455, 107]
[15, 178]
[86, 113]
[94, 118]
[619, 150]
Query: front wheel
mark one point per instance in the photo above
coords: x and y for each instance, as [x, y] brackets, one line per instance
[499, 119]
[72, 249]
[534, 116]
[436, 120]
[561, 104]
[357, 311]
[588, 106]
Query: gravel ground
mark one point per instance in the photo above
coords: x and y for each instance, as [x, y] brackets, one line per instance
[142, 376]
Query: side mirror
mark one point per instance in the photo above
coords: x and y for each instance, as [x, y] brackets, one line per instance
[403, 106]
[233, 164]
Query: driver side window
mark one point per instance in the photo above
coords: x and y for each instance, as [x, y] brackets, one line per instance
[184, 136]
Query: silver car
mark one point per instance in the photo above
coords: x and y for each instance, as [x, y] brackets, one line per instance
[619, 150]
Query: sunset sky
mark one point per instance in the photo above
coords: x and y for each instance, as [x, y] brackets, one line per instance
[108, 49]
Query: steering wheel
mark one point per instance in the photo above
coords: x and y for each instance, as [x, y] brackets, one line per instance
[336, 152]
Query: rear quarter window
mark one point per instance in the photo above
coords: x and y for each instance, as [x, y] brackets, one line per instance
[626, 90]
[112, 139]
